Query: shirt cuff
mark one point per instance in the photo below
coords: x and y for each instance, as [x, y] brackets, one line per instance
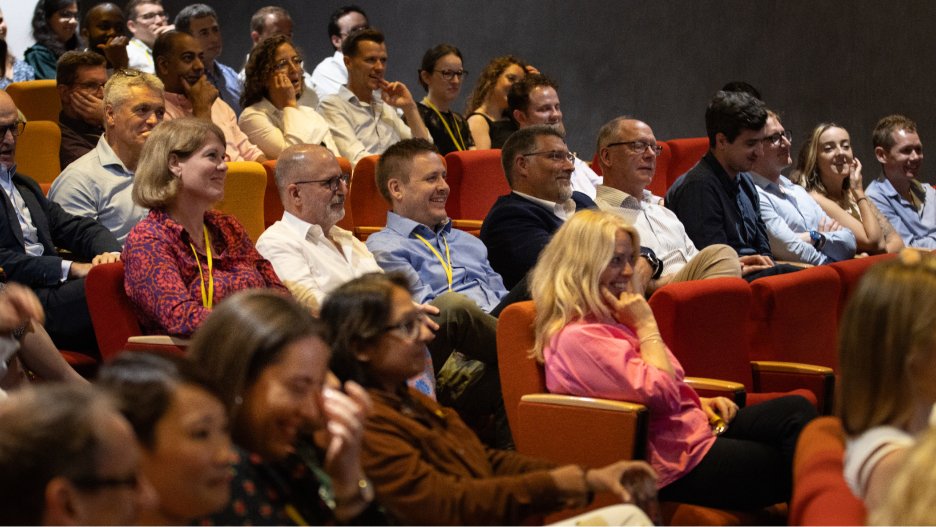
[66, 266]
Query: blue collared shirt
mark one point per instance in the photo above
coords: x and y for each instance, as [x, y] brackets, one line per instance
[227, 82]
[787, 209]
[396, 248]
[916, 228]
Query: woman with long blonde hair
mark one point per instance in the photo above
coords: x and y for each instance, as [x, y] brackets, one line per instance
[597, 338]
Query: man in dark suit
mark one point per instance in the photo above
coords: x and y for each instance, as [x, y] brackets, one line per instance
[33, 228]
[538, 166]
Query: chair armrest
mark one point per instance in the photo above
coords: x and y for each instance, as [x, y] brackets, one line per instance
[162, 340]
[718, 388]
[771, 376]
[582, 402]
[467, 225]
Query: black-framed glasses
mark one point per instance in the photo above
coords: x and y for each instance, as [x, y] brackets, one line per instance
[129, 72]
[409, 328]
[330, 183]
[15, 128]
[89, 86]
[282, 63]
[93, 483]
[639, 147]
[451, 74]
[555, 155]
[778, 137]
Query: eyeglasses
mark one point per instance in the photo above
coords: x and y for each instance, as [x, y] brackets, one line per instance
[129, 73]
[282, 63]
[639, 147]
[451, 74]
[92, 483]
[778, 137]
[353, 29]
[410, 327]
[154, 14]
[555, 155]
[15, 128]
[89, 86]
[330, 183]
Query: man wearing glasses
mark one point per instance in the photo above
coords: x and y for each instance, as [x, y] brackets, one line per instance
[80, 79]
[539, 167]
[99, 184]
[331, 74]
[146, 20]
[798, 229]
[535, 100]
[627, 153]
[34, 227]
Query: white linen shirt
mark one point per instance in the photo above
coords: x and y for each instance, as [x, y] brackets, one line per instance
[307, 261]
[273, 130]
[330, 75]
[584, 179]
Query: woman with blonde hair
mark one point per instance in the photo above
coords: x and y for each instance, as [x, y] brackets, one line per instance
[911, 499]
[887, 360]
[597, 338]
[827, 169]
[487, 105]
[184, 257]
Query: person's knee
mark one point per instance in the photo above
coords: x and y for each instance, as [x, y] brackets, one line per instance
[724, 259]
[452, 304]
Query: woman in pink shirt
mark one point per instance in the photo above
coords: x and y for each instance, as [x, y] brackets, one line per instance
[598, 339]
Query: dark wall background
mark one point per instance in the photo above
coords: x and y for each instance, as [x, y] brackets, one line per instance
[813, 60]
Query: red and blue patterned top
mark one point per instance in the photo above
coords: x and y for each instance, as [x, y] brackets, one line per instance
[163, 280]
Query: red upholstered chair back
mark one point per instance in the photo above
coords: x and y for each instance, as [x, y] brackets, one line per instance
[704, 324]
[370, 209]
[794, 317]
[520, 375]
[273, 205]
[685, 154]
[111, 313]
[850, 273]
[476, 179]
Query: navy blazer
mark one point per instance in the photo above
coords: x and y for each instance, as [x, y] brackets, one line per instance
[516, 230]
[56, 228]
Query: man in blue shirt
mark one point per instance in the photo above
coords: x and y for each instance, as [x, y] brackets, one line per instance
[908, 204]
[716, 200]
[201, 21]
[798, 229]
[447, 268]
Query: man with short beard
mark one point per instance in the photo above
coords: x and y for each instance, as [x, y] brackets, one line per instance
[104, 30]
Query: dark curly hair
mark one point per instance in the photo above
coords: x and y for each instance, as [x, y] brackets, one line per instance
[488, 80]
[42, 32]
[260, 65]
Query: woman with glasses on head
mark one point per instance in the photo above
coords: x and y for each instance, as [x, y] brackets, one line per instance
[184, 257]
[181, 425]
[273, 116]
[441, 74]
[54, 26]
[298, 432]
[828, 169]
[427, 466]
[487, 105]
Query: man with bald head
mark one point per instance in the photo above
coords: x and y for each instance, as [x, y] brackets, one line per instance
[33, 229]
[309, 252]
[627, 152]
[105, 32]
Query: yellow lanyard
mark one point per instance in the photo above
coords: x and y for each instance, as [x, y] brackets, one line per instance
[460, 145]
[206, 299]
[448, 266]
[294, 515]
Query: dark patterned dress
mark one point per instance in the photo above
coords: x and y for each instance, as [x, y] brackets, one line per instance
[440, 136]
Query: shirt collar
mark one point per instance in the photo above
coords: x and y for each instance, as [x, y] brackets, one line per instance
[179, 100]
[348, 95]
[561, 210]
[6, 174]
[619, 198]
[405, 226]
[108, 157]
[768, 185]
[731, 186]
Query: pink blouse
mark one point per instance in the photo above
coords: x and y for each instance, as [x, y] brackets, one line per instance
[589, 359]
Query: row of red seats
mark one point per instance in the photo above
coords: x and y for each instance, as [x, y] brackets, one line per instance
[677, 157]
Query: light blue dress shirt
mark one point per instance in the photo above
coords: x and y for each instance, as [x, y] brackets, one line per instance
[396, 248]
[787, 209]
[229, 86]
[916, 228]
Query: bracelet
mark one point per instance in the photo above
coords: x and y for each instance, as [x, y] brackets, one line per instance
[648, 338]
[859, 199]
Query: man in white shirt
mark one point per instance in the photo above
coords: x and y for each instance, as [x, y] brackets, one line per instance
[361, 115]
[627, 152]
[331, 74]
[99, 184]
[535, 100]
[146, 20]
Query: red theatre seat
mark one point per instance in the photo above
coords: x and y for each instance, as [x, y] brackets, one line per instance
[850, 273]
[476, 179]
[685, 154]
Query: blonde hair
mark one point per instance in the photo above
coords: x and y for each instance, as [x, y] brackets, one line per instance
[117, 90]
[889, 320]
[912, 494]
[807, 171]
[154, 186]
[564, 283]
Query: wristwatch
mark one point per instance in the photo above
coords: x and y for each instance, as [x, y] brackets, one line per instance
[818, 239]
[655, 263]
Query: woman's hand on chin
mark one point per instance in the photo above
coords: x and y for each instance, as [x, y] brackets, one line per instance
[630, 309]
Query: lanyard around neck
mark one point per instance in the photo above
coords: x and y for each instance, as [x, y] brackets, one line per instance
[207, 299]
[446, 266]
[460, 145]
